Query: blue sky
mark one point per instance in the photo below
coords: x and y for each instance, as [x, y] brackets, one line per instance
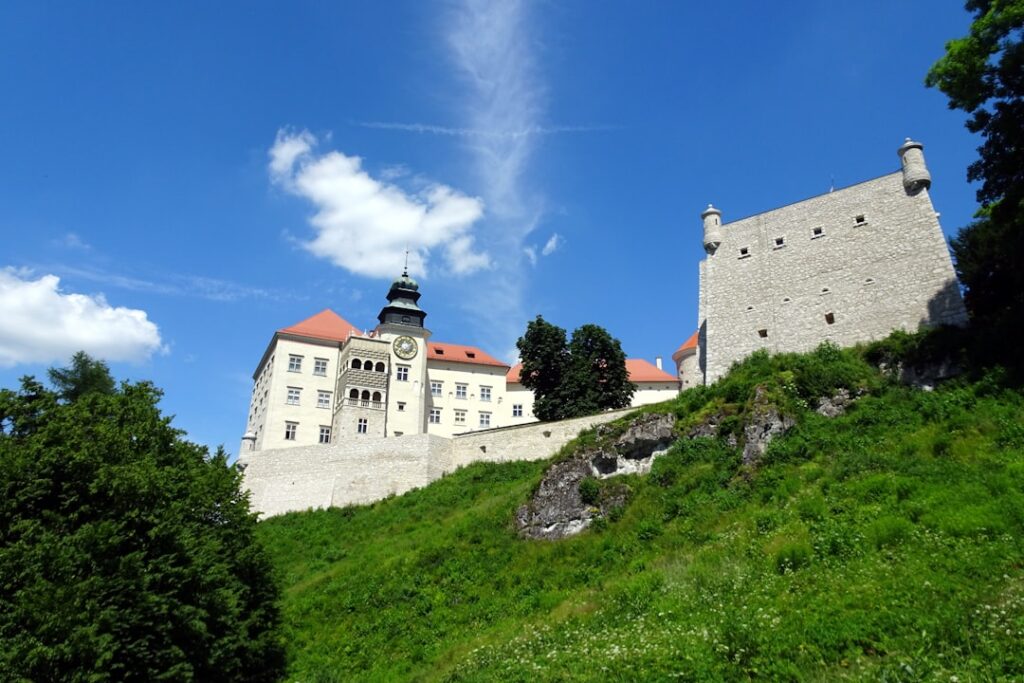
[181, 179]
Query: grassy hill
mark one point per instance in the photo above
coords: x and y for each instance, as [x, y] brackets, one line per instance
[883, 544]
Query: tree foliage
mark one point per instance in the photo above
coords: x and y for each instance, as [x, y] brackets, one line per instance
[580, 377]
[85, 375]
[126, 552]
[983, 75]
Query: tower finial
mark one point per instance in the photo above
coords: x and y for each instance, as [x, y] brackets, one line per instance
[405, 271]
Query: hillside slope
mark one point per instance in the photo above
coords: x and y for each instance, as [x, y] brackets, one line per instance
[884, 544]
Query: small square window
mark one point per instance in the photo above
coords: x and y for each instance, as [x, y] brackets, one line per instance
[780, 242]
[460, 417]
[293, 396]
[436, 388]
[860, 220]
[363, 425]
[763, 334]
[517, 410]
[325, 434]
[460, 390]
[829, 318]
[435, 416]
[402, 373]
[290, 430]
[323, 399]
[817, 232]
[744, 252]
[485, 419]
[320, 366]
[485, 393]
[294, 363]
[401, 406]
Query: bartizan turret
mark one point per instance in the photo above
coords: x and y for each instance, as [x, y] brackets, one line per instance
[915, 173]
[712, 228]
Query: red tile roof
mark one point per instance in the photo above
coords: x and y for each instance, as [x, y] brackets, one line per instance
[324, 325]
[642, 371]
[690, 343]
[459, 353]
[639, 371]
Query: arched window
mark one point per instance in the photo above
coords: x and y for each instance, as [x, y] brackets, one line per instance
[380, 367]
[366, 395]
[357, 364]
[376, 396]
[354, 393]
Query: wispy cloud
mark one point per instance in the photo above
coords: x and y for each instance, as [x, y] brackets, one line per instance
[492, 45]
[40, 323]
[553, 243]
[433, 129]
[71, 241]
[364, 224]
[196, 286]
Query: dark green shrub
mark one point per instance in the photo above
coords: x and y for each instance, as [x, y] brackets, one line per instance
[792, 555]
[590, 490]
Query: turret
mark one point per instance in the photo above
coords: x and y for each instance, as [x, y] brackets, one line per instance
[915, 172]
[712, 228]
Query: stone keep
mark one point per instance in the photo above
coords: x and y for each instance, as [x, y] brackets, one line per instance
[848, 266]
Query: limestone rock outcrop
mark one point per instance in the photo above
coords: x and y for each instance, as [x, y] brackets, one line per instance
[764, 423]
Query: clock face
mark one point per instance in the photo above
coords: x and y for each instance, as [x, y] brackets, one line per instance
[405, 348]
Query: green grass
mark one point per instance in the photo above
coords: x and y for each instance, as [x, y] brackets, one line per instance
[885, 544]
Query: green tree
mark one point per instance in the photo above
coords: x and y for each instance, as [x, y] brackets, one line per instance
[126, 552]
[544, 354]
[597, 378]
[84, 375]
[581, 377]
[983, 75]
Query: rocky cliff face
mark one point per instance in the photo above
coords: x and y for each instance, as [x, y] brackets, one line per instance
[558, 508]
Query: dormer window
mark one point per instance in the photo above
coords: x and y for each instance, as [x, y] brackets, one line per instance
[470, 354]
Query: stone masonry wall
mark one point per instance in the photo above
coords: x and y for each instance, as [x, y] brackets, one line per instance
[856, 280]
[362, 470]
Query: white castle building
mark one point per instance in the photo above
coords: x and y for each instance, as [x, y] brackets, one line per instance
[322, 381]
[848, 266]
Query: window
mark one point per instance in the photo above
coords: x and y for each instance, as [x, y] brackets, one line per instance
[320, 366]
[323, 399]
[460, 390]
[293, 396]
[401, 406]
[744, 252]
[485, 393]
[357, 364]
[860, 220]
[362, 426]
[830, 318]
[380, 367]
[517, 410]
[290, 430]
[763, 334]
[780, 242]
[485, 419]
[325, 434]
[435, 416]
[402, 373]
[460, 417]
[294, 363]
[817, 232]
[436, 388]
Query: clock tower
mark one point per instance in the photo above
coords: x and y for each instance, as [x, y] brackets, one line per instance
[401, 325]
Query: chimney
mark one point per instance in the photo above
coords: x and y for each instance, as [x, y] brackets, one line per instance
[657, 362]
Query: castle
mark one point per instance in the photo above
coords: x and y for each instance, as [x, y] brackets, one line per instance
[322, 381]
[848, 266]
[341, 417]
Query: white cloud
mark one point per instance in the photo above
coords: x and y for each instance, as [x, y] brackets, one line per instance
[364, 224]
[40, 324]
[531, 254]
[552, 244]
